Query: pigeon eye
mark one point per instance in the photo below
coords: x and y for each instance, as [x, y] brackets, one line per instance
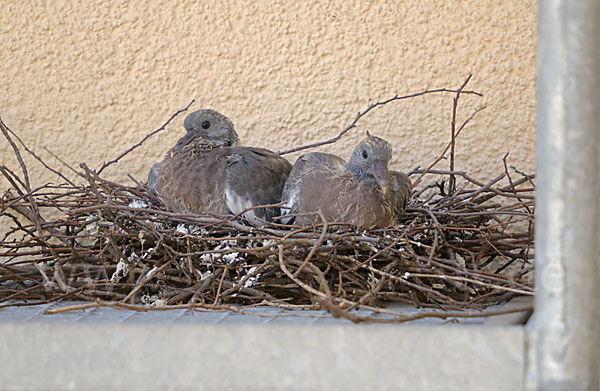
[205, 125]
[365, 154]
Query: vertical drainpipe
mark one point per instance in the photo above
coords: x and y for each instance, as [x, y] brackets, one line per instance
[565, 340]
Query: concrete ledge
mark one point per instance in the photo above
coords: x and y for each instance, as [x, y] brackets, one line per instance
[258, 357]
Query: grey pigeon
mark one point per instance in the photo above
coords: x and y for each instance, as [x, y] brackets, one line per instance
[208, 172]
[354, 192]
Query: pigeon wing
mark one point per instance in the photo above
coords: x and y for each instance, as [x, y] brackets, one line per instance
[310, 183]
[153, 177]
[255, 176]
[399, 190]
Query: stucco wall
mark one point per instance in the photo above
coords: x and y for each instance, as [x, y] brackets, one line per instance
[88, 80]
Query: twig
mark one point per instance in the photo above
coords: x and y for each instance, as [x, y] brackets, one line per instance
[368, 109]
[315, 246]
[441, 156]
[464, 279]
[99, 171]
[38, 158]
[452, 181]
[147, 278]
[402, 318]
[4, 130]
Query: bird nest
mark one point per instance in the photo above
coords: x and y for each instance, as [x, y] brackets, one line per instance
[462, 246]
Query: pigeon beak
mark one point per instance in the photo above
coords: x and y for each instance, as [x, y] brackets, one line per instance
[189, 136]
[380, 172]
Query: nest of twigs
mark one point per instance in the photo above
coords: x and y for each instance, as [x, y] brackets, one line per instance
[463, 246]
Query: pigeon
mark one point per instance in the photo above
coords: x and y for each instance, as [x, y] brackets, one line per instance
[355, 192]
[207, 171]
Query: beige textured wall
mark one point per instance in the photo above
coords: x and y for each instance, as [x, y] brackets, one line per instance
[88, 80]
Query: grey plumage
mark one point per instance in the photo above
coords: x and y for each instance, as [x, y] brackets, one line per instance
[208, 172]
[153, 177]
[399, 190]
[355, 192]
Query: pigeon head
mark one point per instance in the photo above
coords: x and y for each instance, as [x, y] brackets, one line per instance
[209, 125]
[370, 159]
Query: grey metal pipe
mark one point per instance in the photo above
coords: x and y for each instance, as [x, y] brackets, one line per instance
[566, 320]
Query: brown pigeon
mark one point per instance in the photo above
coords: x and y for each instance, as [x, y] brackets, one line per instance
[208, 172]
[354, 192]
